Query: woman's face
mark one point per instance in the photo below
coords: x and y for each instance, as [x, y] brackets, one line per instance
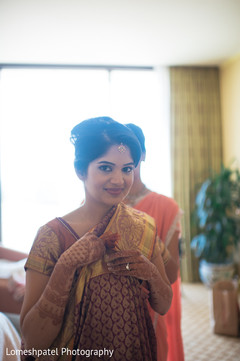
[110, 177]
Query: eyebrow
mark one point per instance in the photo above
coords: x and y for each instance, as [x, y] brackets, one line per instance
[110, 163]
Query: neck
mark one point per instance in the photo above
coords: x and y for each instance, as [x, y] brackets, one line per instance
[137, 184]
[138, 192]
[137, 187]
[94, 212]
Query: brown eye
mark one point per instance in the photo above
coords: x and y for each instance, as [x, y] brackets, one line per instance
[127, 169]
[105, 168]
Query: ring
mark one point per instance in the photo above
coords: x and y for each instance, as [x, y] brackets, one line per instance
[128, 267]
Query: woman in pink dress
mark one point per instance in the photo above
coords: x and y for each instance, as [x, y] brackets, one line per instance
[167, 215]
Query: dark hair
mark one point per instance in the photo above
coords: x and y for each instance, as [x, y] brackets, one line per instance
[139, 134]
[93, 137]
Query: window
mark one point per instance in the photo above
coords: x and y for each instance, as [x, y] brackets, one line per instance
[38, 108]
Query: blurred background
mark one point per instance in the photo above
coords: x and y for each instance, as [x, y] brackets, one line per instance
[172, 67]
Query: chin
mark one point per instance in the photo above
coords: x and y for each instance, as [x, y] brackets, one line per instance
[115, 199]
[114, 202]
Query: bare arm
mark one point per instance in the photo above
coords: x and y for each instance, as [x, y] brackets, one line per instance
[44, 305]
[171, 257]
[157, 287]
[46, 297]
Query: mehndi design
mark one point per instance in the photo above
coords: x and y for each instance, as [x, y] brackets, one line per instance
[86, 250]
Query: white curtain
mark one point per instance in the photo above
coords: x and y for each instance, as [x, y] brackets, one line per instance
[39, 107]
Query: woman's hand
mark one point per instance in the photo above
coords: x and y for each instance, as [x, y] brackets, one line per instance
[88, 248]
[46, 297]
[132, 263]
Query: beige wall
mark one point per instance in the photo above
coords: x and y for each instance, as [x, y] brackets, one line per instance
[230, 99]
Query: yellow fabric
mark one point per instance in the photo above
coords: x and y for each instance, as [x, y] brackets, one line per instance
[137, 230]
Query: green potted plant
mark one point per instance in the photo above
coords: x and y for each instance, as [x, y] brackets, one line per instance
[217, 218]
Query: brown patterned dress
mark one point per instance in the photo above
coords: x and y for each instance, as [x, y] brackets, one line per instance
[111, 313]
[114, 316]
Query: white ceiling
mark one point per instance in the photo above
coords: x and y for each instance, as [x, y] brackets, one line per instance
[119, 32]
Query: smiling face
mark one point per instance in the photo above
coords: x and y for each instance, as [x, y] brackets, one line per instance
[109, 177]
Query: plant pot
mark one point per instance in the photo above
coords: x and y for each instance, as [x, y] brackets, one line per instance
[212, 272]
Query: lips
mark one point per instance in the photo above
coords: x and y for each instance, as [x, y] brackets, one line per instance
[114, 191]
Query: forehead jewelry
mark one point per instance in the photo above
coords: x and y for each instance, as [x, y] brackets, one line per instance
[122, 148]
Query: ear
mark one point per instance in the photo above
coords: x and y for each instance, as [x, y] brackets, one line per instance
[81, 175]
[143, 157]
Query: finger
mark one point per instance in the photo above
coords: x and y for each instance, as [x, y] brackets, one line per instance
[126, 266]
[101, 226]
[126, 273]
[110, 240]
[125, 260]
[122, 268]
[133, 273]
[123, 254]
[109, 236]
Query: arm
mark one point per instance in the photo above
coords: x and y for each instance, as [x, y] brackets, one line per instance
[160, 289]
[170, 257]
[44, 305]
[171, 242]
[46, 297]
[152, 272]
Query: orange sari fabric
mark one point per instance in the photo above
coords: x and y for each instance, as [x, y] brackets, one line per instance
[166, 213]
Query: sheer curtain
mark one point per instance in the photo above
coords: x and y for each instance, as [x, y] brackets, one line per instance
[196, 138]
[38, 109]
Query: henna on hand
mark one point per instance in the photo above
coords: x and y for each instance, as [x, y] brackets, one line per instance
[87, 249]
[48, 311]
[111, 240]
[90, 247]
[139, 266]
[101, 226]
[133, 263]
[53, 301]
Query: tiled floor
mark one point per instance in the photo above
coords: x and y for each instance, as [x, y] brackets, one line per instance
[200, 343]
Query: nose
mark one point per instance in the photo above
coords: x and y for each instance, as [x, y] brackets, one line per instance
[117, 178]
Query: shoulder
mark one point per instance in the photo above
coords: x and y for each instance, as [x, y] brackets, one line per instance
[46, 236]
[47, 247]
[164, 201]
[45, 251]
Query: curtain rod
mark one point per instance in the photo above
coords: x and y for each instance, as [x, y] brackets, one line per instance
[73, 66]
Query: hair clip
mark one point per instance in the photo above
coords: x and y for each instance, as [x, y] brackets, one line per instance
[122, 148]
